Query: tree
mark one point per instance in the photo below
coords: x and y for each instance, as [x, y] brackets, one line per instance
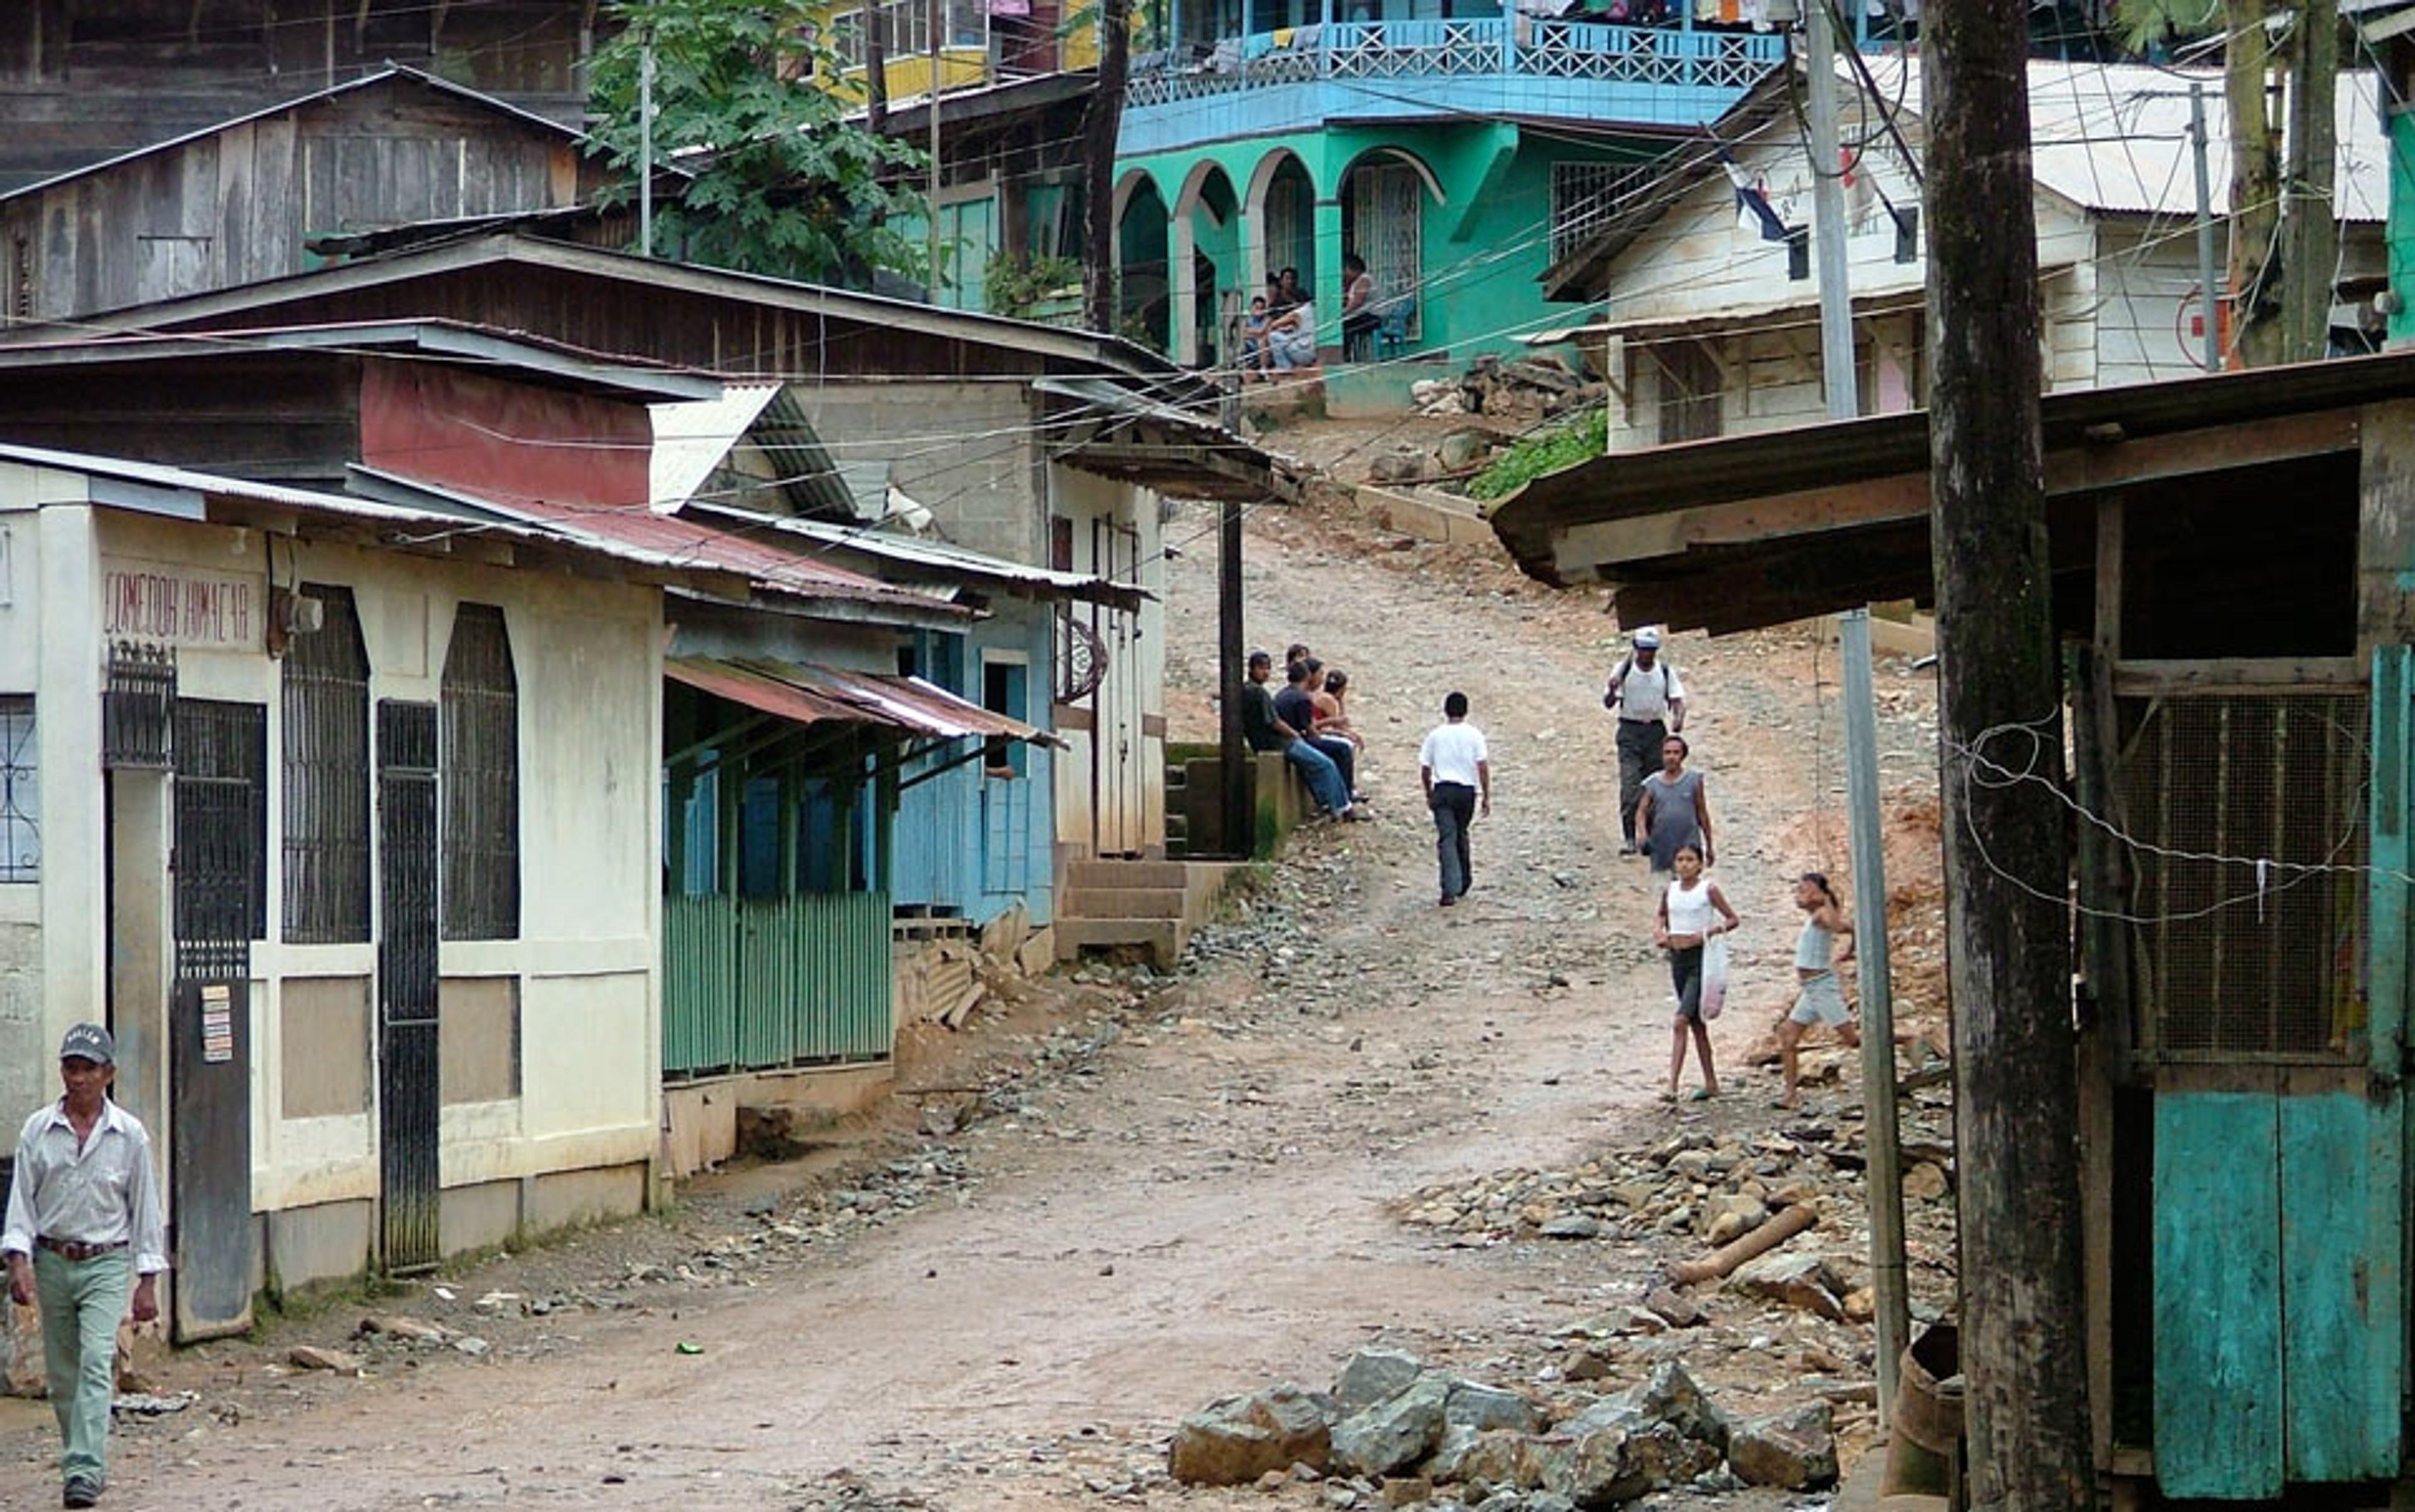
[776, 180]
[1101, 120]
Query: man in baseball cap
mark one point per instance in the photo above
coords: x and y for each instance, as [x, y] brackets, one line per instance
[82, 1224]
[1650, 704]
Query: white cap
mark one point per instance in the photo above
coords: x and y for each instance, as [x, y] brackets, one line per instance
[1647, 638]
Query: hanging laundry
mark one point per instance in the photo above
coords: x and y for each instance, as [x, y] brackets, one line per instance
[1753, 211]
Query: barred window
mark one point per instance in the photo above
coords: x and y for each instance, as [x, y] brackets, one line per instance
[221, 845]
[20, 808]
[326, 773]
[479, 772]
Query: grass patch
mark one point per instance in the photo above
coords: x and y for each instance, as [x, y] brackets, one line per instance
[1531, 456]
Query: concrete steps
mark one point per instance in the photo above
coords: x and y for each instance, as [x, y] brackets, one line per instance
[1151, 905]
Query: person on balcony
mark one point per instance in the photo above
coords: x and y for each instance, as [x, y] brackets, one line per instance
[1359, 317]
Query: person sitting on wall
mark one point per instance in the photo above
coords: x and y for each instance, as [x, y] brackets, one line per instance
[1295, 707]
[1257, 353]
[1292, 337]
[1359, 317]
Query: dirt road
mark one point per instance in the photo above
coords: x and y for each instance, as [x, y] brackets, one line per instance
[1203, 1205]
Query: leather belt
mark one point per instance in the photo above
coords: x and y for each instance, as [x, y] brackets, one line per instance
[77, 1250]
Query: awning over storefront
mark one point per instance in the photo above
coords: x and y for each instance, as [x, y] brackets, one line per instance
[808, 695]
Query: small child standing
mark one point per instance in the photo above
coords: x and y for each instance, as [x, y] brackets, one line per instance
[1692, 909]
[1818, 997]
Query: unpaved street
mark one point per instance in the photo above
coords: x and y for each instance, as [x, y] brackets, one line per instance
[1206, 1204]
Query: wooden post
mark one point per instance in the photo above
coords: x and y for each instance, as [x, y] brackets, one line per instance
[2309, 230]
[874, 19]
[2008, 946]
[1240, 814]
[1102, 118]
[2255, 187]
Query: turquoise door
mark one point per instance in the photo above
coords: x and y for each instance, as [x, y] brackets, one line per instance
[2279, 1130]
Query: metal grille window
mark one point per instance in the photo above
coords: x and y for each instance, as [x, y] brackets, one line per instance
[326, 773]
[20, 808]
[1585, 196]
[2230, 965]
[221, 857]
[136, 705]
[480, 775]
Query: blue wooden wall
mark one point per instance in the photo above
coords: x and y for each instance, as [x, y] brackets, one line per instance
[969, 845]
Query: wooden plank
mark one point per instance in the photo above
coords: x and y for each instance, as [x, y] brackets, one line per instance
[2342, 1326]
[2143, 678]
[2385, 552]
[2389, 851]
[2218, 1287]
[2110, 512]
[1806, 512]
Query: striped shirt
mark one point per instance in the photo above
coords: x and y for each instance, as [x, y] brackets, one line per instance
[102, 1193]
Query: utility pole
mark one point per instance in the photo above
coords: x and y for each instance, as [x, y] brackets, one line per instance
[646, 148]
[1889, 1287]
[2209, 299]
[2009, 948]
[933, 12]
[1233, 753]
[2255, 186]
[1101, 119]
[2309, 221]
[875, 22]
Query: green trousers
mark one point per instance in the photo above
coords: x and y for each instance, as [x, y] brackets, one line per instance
[81, 1302]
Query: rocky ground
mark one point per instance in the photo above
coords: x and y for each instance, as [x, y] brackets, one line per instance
[1348, 1120]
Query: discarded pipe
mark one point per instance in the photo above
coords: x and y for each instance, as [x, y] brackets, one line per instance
[1784, 1226]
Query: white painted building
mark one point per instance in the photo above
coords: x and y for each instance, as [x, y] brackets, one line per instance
[1708, 327]
[401, 764]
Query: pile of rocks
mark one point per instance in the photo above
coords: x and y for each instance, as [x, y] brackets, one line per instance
[1526, 388]
[1393, 1433]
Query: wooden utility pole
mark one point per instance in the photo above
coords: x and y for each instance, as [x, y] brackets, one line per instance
[2309, 220]
[1101, 121]
[875, 22]
[2008, 951]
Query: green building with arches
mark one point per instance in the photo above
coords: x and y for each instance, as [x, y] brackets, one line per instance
[1459, 152]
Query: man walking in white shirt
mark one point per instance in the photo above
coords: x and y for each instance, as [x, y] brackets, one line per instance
[82, 1225]
[1457, 772]
[1650, 704]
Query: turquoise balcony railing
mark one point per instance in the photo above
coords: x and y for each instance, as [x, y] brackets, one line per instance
[1304, 77]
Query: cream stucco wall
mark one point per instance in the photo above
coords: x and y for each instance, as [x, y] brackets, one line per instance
[1118, 533]
[587, 657]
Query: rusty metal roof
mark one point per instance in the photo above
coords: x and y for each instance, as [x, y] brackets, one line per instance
[809, 694]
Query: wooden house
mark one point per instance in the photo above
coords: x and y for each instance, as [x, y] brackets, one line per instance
[84, 80]
[240, 199]
[2241, 692]
[1708, 322]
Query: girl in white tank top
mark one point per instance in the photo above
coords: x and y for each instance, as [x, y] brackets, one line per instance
[1692, 909]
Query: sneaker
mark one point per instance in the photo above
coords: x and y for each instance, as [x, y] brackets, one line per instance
[1448, 901]
[81, 1492]
[1628, 849]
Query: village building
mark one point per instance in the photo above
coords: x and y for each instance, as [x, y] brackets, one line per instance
[1709, 313]
[347, 822]
[2241, 865]
[1459, 151]
[240, 200]
[84, 80]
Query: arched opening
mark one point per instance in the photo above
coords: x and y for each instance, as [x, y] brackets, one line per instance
[1209, 209]
[1384, 194]
[1283, 202]
[1142, 282]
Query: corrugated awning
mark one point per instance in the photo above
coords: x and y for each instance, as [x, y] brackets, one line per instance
[808, 695]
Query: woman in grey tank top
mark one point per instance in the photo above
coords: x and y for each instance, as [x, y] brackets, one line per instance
[1674, 810]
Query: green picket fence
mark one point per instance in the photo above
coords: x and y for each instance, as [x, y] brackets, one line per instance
[757, 983]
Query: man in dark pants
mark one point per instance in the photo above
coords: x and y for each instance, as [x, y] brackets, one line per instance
[1294, 708]
[1268, 731]
[1457, 772]
[1650, 704]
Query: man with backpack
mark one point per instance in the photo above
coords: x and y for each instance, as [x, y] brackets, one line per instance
[1650, 704]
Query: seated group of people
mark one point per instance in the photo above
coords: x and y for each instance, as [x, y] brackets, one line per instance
[1309, 722]
[1279, 330]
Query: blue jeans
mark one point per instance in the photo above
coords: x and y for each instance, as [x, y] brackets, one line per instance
[81, 1302]
[1323, 777]
[1343, 756]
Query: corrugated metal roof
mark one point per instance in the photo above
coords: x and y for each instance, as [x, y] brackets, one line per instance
[942, 558]
[161, 489]
[2115, 136]
[809, 694]
[691, 440]
[693, 543]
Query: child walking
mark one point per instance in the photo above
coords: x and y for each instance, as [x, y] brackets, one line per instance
[1692, 909]
[1819, 998]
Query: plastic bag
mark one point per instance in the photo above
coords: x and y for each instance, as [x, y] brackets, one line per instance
[1715, 975]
